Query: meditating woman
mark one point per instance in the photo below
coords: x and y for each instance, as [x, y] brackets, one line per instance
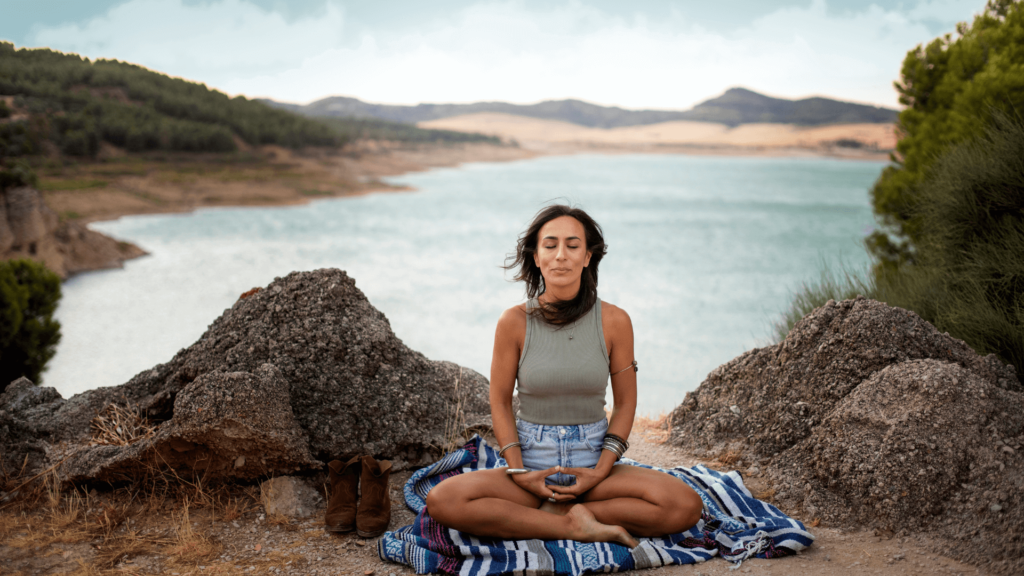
[561, 346]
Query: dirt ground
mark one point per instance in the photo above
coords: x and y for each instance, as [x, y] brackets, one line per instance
[181, 528]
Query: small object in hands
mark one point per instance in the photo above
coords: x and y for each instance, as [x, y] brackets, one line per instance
[552, 497]
[514, 471]
[501, 452]
[552, 500]
[632, 365]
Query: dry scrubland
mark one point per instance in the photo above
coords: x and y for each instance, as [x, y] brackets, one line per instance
[168, 524]
[875, 140]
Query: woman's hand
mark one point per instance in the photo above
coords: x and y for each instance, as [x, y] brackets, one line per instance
[586, 478]
[533, 482]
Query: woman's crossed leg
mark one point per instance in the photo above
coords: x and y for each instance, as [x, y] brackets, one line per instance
[630, 502]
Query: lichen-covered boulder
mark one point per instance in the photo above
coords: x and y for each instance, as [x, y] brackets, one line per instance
[768, 399]
[26, 425]
[225, 424]
[867, 416]
[299, 373]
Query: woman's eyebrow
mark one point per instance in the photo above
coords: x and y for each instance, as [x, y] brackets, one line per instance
[567, 239]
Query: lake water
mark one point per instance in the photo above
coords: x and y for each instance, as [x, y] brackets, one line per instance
[704, 252]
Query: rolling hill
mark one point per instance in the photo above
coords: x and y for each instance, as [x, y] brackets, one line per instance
[737, 106]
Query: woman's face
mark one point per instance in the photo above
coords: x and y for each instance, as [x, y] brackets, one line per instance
[562, 253]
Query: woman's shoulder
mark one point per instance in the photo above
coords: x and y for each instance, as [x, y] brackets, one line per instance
[613, 316]
[513, 318]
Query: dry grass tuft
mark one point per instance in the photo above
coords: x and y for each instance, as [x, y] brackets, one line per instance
[120, 425]
[766, 494]
[653, 429]
[455, 420]
[730, 457]
[234, 508]
[191, 545]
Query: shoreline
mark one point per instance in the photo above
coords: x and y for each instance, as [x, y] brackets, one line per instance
[355, 171]
[118, 185]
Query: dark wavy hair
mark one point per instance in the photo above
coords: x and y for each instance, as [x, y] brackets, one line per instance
[561, 312]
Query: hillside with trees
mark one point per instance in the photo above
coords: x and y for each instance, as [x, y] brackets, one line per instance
[951, 205]
[737, 106]
[76, 104]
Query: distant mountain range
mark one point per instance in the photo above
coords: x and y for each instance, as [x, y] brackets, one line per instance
[737, 106]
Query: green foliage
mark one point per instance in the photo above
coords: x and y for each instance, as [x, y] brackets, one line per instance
[16, 173]
[375, 129]
[952, 89]
[968, 274]
[85, 103]
[832, 285]
[29, 293]
[5, 112]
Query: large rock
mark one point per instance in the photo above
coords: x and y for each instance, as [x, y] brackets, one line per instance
[30, 229]
[27, 425]
[866, 415]
[299, 373]
[768, 399]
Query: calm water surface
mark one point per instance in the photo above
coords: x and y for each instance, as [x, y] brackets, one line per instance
[703, 254]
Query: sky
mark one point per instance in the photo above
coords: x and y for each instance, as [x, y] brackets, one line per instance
[638, 54]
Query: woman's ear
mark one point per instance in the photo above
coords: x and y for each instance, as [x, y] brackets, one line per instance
[587, 261]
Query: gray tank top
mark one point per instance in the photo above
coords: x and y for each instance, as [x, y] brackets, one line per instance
[562, 380]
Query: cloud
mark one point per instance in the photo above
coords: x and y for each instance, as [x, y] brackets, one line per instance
[508, 51]
[209, 42]
[946, 10]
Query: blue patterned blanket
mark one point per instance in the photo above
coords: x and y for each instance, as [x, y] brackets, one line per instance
[734, 525]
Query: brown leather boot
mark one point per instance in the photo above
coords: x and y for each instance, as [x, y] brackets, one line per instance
[341, 508]
[374, 512]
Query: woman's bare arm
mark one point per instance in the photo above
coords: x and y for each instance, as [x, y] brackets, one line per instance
[619, 334]
[508, 343]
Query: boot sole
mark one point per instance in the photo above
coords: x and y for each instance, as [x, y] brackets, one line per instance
[337, 529]
[363, 534]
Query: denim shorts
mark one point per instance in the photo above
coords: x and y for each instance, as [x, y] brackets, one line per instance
[576, 446]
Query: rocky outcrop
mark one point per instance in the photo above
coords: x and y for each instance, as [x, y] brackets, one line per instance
[866, 415]
[293, 375]
[30, 229]
[27, 425]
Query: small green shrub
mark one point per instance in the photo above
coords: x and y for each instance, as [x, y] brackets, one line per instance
[29, 293]
[15, 174]
[831, 285]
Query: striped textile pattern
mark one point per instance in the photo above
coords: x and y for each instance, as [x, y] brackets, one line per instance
[734, 525]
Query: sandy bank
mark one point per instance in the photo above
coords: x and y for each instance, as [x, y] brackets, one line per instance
[553, 136]
[272, 176]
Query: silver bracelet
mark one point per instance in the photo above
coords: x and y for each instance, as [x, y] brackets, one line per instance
[514, 471]
[501, 452]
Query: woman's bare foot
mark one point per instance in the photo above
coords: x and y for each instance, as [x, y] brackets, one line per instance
[586, 528]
